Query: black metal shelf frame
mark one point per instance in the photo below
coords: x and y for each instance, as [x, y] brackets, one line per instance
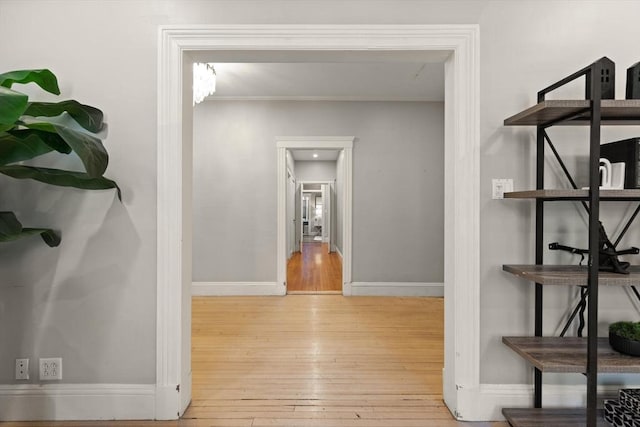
[593, 85]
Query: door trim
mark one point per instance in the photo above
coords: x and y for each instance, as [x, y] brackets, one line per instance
[284, 143]
[460, 44]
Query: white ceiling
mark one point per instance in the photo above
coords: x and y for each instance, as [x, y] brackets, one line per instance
[347, 76]
[357, 81]
[307, 155]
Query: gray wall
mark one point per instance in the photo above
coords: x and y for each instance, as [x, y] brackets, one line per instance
[92, 301]
[398, 214]
[315, 171]
[519, 56]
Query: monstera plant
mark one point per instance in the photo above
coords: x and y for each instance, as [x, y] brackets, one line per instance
[30, 129]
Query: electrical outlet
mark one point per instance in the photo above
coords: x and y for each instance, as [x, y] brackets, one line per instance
[51, 369]
[22, 369]
[501, 186]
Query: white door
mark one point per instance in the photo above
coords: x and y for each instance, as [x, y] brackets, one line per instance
[326, 215]
[291, 214]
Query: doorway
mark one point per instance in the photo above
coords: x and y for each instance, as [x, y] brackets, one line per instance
[330, 222]
[316, 268]
[458, 46]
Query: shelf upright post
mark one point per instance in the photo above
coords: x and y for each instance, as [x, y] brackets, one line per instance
[594, 84]
[537, 380]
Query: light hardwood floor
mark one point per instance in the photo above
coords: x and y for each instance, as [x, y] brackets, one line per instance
[314, 270]
[313, 360]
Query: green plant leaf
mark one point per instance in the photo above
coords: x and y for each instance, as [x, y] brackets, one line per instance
[89, 148]
[43, 78]
[9, 224]
[53, 140]
[11, 229]
[12, 105]
[17, 146]
[60, 178]
[87, 116]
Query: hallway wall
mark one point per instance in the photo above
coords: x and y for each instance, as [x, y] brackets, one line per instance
[315, 171]
[398, 191]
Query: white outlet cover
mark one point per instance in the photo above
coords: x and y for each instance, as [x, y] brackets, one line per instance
[50, 369]
[499, 186]
[22, 369]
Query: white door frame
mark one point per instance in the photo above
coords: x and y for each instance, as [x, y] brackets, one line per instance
[344, 143]
[291, 240]
[461, 378]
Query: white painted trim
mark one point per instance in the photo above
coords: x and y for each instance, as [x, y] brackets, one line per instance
[323, 98]
[169, 340]
[462, 219]
[462, 164]
[210, 289]
[54, 402]
[344, 143]
[281, 220]
[320, 142]
[397, 289]
[339, 253]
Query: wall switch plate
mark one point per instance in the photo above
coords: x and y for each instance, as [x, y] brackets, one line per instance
[51, 369]
[500, 186]
[22, 369]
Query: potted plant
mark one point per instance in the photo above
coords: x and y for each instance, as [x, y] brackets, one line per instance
[625, 337]
[31, 129]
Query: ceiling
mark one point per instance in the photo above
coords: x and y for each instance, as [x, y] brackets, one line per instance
[341, 81]
[330, 76]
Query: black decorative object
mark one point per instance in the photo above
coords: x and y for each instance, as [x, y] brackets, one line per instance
[608, 254]
[624, 345]
[630, 399]
[607, 80]
[627, 151]
[633, 81]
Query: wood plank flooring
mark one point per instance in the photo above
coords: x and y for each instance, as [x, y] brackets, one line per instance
[314, 270]
[313, 360]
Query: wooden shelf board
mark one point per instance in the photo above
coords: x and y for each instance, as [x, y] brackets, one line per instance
[569, 354]
[571, 275]
[539, 417]
[576, 112]
[566, 194]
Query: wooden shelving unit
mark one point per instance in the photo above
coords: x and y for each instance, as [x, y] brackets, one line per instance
[575, 195]
[538, 417]
[577, 112]
[569, 354]
[572, 275]
[590, 355]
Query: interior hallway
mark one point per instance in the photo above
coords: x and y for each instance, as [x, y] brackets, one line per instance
[314, 270]
[313, 360]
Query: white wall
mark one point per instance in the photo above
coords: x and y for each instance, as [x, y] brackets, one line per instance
[398, 191]
[92, 301]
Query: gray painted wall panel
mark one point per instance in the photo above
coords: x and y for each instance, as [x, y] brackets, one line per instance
[398, 190]
[315, 171]
[93, 299]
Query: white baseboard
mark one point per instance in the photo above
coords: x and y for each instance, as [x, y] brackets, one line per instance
[339, 253]
[486, 403]
[54, 402]
[236, 288]
[397, 289]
